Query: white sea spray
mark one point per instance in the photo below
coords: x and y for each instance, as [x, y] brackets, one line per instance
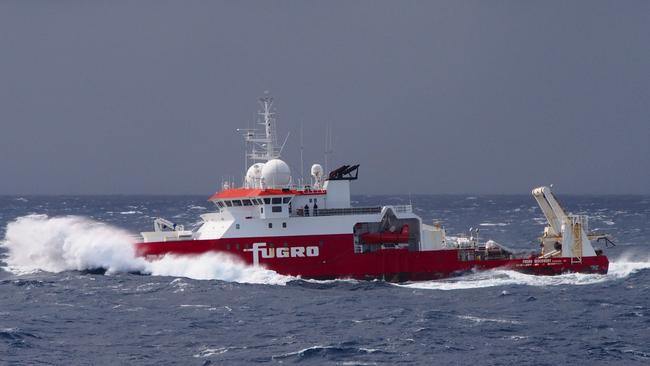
[56, 244]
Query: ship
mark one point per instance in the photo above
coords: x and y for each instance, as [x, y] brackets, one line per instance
[311, 229]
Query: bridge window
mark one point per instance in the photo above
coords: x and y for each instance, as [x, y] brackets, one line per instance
[286, 199]
[267, 201]
[228, 203]
[236, 203]
[277, 200]
[219, 203]
[276, 208]
[247, 202]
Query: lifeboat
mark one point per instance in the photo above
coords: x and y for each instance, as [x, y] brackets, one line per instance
[387, 237]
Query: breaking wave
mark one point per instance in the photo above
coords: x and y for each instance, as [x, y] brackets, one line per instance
[619, 268]
[55, 244]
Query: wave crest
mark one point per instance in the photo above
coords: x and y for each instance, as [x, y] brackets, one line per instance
[56, 244]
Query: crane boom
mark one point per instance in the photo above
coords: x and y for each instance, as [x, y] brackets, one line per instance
[551, 208]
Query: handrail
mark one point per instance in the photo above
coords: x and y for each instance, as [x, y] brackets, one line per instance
[403, 208]
[338, 211]
[351, 211]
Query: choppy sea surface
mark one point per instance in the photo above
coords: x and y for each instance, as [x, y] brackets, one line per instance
[71, 293]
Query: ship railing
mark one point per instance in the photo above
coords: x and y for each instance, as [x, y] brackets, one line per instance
[338, 211]
[351, 211]
[403, 208]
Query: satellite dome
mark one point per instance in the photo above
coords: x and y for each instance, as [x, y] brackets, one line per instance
[317, 173]
[317, 170]
[276, 173]
[254, 174]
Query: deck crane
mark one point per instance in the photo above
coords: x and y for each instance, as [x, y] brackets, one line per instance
[566, 235]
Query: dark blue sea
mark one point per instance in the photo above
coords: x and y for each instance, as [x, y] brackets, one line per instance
[72, 294]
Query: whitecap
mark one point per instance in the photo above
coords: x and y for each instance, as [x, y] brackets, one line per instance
[207, 352]
[39, 243]
[477, 319]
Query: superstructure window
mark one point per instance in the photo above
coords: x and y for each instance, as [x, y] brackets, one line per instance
[236, 203]
[270, 225]
[237, 226]
[276, 208]
[284, 225]
[276, 200]
[286, 199]
[247, 202]
[267, 201]
[228, 203]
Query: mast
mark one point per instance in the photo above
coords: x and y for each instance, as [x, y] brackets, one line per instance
[302, 162]
[266, 113]
[263, 145]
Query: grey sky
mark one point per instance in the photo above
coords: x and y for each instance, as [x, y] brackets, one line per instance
[429, 97]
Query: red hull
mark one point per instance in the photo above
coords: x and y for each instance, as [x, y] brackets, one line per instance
[333, 256]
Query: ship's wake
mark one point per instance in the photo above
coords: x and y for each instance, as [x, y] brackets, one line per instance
[618, 269]
[37, 243]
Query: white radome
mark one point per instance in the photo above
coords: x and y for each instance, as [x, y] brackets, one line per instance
[276, 174]
[254, 174]
[317, 170]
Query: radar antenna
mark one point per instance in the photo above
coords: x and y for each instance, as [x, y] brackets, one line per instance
[263, 145]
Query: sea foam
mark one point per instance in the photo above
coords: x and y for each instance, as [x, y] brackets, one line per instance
[56, 244]
[618, 269]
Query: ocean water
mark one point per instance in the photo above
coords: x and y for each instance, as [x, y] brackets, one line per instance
[71, 293]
